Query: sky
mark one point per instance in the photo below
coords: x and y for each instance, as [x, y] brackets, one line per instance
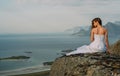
[48, 16]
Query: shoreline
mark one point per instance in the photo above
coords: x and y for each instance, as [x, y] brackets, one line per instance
[27, 70]
[42, 73]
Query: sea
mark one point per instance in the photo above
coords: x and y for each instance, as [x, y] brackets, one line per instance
[40, 48]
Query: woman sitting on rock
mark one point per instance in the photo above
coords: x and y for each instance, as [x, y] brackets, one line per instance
[98, 37]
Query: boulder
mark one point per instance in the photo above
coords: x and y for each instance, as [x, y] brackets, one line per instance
[96, 64]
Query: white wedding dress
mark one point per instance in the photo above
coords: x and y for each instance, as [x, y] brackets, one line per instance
[97, 45]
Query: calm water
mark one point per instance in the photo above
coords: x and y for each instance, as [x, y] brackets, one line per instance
[44, 47]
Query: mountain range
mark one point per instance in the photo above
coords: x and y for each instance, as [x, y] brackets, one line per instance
[112, 27]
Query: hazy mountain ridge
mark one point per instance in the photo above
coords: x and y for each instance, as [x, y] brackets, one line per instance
[113, 29]
[77, 29]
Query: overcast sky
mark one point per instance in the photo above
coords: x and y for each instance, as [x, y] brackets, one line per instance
[43, 16]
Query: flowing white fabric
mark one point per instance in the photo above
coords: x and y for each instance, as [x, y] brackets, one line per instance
[97, 45]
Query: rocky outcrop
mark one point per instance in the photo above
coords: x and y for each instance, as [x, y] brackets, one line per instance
[115, 48]
[97, 64]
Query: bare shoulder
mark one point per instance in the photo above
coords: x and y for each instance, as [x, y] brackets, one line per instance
[104, 29]
[93, 29]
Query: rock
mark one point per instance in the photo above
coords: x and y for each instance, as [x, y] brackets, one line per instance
[115, 48]
[96, 64]
[68, 50]
[15, 57]
[48, 63]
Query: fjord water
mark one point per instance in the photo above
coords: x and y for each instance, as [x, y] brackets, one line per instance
[44, 47]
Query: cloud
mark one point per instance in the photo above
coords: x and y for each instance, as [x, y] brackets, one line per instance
[46, 2]
[36, 16]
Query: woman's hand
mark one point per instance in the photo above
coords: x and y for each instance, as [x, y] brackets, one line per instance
[108, 51]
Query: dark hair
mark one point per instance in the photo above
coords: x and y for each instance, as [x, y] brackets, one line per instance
[96, 20]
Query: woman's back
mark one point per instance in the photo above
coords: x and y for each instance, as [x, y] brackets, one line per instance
[100, 31]
[98, 43]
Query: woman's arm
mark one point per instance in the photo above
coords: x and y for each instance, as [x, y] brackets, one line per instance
[106, 40]
[91, 36]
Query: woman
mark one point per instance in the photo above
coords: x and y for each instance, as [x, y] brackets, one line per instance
[98, 37]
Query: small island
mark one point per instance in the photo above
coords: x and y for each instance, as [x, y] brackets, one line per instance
[68, 50]
[15, 58]
[48, 63]
[28, 52]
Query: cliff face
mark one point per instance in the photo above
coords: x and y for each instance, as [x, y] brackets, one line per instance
[97, 64]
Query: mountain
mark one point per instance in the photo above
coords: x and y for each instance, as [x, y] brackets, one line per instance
[113, 29]
[82, 32]
[117, 22]
[77, 29]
